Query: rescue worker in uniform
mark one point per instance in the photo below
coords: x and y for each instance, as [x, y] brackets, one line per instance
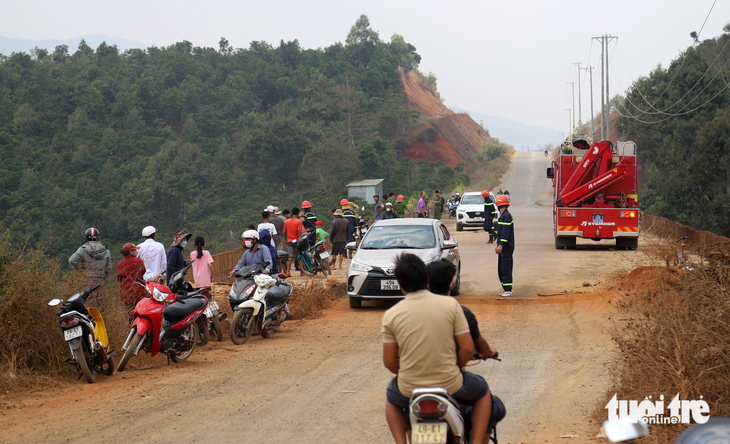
[351, 219]
[505, 245]
[310, 219]
[490, 213]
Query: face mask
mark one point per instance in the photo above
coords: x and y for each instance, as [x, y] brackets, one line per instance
[388, 209]
[249, 243]
[184, 244]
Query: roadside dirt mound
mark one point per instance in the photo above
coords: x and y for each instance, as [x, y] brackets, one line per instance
[447, 137]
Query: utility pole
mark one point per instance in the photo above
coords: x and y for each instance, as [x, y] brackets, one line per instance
[572, 90]
[569, 123]
[590, 73]
[605, 105]
[580, 110]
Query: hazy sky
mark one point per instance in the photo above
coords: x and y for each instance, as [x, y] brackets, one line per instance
[503, 58]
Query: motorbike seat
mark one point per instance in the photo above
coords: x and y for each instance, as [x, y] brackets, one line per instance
[282, 254]
[278, 293]
[181, 309]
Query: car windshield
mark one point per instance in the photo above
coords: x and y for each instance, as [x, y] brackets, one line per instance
[472, 199]
[399, 236]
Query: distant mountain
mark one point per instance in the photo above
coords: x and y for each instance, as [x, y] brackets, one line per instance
[516, 133]
[11, 45]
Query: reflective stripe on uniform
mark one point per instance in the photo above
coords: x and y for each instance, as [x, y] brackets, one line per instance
[504, 284]
[506, 223]
[503, 240]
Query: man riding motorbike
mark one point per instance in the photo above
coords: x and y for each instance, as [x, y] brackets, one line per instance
[255, 256]
[420, 334]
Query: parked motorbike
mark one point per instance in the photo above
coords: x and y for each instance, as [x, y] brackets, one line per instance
[361, 229]
[314, 259]
[166, 320]
[451, 205]
[436, 417]
[84, 330]
[258, 302]
[212, 318]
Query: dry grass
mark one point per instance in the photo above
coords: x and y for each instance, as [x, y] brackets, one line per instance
[674, 334]
[309, 300]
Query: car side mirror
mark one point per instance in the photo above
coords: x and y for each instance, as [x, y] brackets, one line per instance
[550, 173]
[54, 302]
[449, 244]
[351, 246]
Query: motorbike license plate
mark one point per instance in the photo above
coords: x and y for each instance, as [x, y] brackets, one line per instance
[429, 433]
[390, 284]
[72, 333]
[213, 305]
[324, 255]
[208, 313]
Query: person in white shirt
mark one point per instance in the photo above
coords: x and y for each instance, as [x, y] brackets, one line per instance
[152, 253]
[268, 226]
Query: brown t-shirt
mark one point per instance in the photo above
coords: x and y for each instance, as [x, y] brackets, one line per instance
[424, 325]
[339, 230]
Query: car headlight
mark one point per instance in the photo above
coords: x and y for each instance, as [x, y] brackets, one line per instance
[357, 266]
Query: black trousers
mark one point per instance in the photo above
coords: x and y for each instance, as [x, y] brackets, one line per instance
[488, 227]
[504, 267]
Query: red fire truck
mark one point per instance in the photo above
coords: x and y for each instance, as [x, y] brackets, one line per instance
[595, 193]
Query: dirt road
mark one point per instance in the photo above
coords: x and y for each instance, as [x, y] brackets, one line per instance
[323, 380]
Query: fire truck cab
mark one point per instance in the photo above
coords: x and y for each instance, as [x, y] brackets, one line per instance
[595, 193]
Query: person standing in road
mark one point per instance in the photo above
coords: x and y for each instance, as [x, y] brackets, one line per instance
[438, 205]
[293, 229]
[349, 215]
[490, 213]
[152, 253]
[422, 206]
[310, 219]
[505, 245]
[400, 206]
[278, 221]
[129, 269]
[92, 258]
[338, 236]
[202, 265]
[176, 257]
[378, 207]
[267, 225]
[389, 213]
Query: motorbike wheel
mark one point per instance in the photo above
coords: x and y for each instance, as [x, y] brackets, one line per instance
[308, 270]
[82, 358]
[133, 344]
[215, 329]
[190, 334]
[242, 326]
[325, 267]
[203, 335]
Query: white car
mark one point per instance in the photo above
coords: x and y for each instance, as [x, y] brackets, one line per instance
[371, 272]
[470, 212]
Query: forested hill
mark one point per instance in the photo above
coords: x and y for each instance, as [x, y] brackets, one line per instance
[200, 138]
[679, 117]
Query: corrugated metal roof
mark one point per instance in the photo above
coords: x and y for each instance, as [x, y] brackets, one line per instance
[365, 183]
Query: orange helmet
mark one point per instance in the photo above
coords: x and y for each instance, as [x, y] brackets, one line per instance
[306, 204]
[485, 193]
[502, 200]
[401, 197]
[344, 202]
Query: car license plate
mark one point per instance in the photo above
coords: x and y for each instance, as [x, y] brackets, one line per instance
[390, 284]
[72, 333]
[324, 255]
[429, 433]
[479, 219]
[213, 305]
[598, 218]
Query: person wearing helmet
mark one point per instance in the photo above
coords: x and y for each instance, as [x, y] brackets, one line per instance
[350, 217]
[490, 213]
[255, 256]
[309, 217]
[389, 213]
[400, 206]
[93, 258]
[176, 257]
[505, 245]
[321, 234]
[457, 198]
[152, 253]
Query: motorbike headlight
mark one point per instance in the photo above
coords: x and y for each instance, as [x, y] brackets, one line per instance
[357, 266]
[232, 293]
[158, 295]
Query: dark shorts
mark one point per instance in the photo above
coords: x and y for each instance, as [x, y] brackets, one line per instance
[338, 248]
[473, 389]
[292, 249]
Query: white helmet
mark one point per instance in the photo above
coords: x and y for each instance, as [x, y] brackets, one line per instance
[458, 194]
[251, 234]
[149, 231]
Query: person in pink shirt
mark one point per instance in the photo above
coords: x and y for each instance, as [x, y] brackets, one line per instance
[422, 206]
[203, 265]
